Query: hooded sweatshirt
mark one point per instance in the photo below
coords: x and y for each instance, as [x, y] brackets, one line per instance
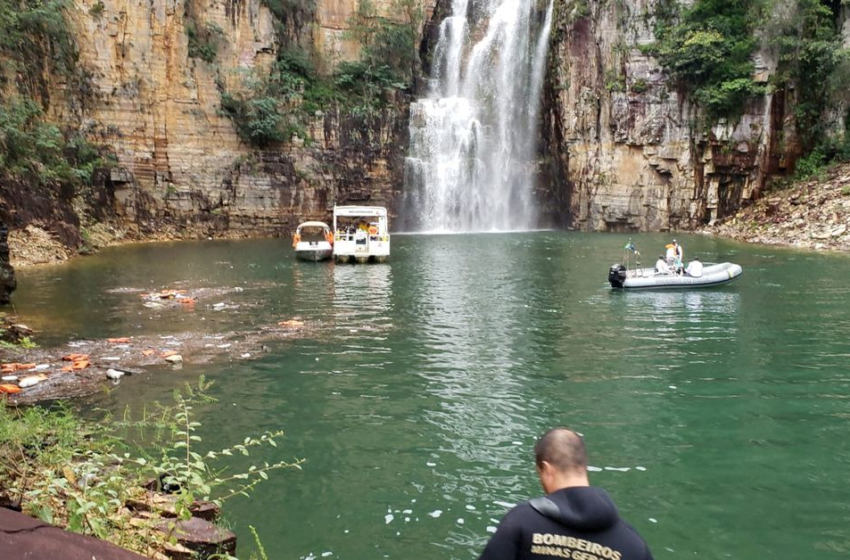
[579, 523]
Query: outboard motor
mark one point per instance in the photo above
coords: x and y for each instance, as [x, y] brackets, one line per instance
[617, 275]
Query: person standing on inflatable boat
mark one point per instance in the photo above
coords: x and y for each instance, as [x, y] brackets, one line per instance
[574, 519]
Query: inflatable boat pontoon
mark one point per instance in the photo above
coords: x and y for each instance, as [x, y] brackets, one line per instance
[647, 278]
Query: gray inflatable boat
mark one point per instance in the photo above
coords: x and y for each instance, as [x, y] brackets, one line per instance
[648, 279]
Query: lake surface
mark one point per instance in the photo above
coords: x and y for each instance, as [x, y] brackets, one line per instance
[719, 420]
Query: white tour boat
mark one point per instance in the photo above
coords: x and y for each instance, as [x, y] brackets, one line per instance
[361, 234]
[313, 241]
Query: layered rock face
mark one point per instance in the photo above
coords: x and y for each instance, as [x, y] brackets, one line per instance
[182, 168]
[623, 150]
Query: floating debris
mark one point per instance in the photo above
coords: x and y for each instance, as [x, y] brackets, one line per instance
[114, 374]
[31, 380]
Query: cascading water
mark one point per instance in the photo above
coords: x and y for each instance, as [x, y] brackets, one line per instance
[473, 139]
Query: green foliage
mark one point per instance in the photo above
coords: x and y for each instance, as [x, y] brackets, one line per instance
[36, 151]
[388, 47]
[812, 165]
[707, 50]
[614, 81]
[640, 86]
[33, 34]
[275, 108]
[79, 474]
[258, 120]
[204, 39]
[97, 9]
[812, 60]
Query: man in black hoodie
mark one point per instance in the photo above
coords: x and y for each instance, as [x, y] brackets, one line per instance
[574, 520]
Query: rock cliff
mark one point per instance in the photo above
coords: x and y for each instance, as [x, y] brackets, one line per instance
[180, 167]
[621, 147]
[181, 164]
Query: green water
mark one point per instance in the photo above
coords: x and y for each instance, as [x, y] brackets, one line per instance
[724, 412]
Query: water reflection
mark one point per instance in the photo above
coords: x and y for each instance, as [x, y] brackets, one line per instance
[471, 350]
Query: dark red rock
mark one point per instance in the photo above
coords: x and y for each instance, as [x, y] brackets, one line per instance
[22, 537]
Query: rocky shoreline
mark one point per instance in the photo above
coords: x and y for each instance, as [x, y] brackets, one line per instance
[813, 214]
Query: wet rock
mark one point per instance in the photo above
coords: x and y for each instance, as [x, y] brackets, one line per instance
[175, 359]
[199, 536]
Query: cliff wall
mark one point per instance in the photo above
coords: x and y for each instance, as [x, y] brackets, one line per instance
[622, 147]
[180, 167]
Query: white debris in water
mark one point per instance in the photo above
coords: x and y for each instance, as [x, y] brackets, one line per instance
[166, 337]
[388, 518]
[407, 511]
[407, 520]
[620, 469]
[110, 358]
[114, 374]
[346, 531]
[430, 464]
[9, 378]
[594, 469]
[640, 468]
[504, 504]
[516, 442]
[42, 367]
[460, 521]
[673, 387]
[470, 507]
[436, 513]
[224, 345]
[352, 330]
[413, 501]
[326, 554]
[653, 520]
[491, 529]
[245, 355]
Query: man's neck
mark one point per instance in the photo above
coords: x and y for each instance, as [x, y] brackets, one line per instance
[563, 481]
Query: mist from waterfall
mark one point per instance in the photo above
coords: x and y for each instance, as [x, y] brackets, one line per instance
[473, 138]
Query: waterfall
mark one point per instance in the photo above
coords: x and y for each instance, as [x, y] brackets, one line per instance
[473, 138]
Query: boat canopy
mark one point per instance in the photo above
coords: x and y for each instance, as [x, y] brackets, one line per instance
[358, 211]
[322, 225]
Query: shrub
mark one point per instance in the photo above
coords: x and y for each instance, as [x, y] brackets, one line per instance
[204, 39]
[640, 86]
[79, 474]
[97, 9]
[36, 151]
[707, 50]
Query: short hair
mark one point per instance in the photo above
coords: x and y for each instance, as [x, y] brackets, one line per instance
[563, 449]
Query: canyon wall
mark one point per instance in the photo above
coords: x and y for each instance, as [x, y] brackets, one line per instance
[621, 147]
[182, 169]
